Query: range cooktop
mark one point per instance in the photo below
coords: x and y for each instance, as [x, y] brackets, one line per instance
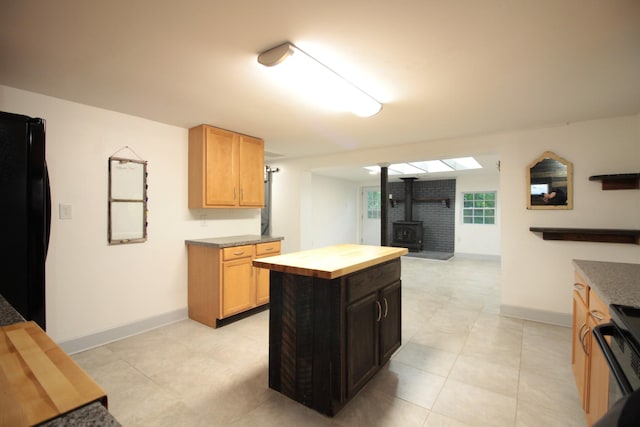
[627, 319]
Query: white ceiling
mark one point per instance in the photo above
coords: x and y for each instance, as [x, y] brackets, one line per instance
[442, 69]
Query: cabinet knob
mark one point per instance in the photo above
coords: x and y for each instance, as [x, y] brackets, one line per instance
[579, 286]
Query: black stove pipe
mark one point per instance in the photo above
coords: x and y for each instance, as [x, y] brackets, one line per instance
[408, 198]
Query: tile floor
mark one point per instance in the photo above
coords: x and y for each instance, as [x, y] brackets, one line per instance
[460, 364]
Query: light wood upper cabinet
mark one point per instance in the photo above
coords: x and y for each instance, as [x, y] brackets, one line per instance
[251, 172]
[226, 169]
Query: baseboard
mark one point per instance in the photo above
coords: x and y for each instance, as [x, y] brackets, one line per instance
[483, 257]
[90, 341]
[542, 316]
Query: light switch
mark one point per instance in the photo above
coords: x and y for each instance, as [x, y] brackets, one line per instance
[65, 211]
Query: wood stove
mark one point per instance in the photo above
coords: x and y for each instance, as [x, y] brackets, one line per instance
[407, 233]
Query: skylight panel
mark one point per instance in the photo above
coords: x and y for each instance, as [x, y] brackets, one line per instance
[463, 163]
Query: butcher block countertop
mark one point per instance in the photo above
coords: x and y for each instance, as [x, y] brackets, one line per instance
[38, 381]
[330, 262]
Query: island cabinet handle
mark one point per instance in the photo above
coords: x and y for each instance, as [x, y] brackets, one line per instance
[268, 249]
[597, 315]
[238, 253]
[379, 311]
[386, 308]
[579, 286]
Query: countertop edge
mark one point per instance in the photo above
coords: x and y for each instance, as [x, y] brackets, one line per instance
[327, 273]
[227, 242]
[614, 282]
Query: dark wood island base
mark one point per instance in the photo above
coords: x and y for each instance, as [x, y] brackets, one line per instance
[329, 336]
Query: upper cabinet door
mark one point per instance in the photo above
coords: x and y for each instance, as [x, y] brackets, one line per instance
[221, 154]
[226, 169]
[251, 171]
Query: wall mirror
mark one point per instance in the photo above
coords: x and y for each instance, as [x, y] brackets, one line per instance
[127, 201]
[549, 183]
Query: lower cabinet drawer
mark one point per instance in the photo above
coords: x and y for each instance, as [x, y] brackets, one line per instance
[369, 280]
[236, 252]
[268, 248]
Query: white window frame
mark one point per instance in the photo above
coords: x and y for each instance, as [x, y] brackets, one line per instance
[480, 208]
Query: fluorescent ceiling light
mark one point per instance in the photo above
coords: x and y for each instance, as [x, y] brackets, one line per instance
[306, 75]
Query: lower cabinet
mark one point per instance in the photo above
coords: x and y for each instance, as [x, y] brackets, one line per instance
[373, 334]
[328, 338]
[589, 366]
[223, 282]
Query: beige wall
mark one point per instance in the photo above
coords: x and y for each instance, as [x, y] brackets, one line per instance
[536, 274]
[93, 287]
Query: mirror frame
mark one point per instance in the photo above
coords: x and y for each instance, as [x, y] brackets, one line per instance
[551, 155]
[117, 200]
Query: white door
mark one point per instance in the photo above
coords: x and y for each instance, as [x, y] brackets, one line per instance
[371, 216]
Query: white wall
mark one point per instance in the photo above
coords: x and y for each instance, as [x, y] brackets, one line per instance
[477, 239]
[334, 212]
[93, 287]
[537, 275]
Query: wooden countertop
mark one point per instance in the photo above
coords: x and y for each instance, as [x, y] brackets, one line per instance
[331, 261]
[38, 380]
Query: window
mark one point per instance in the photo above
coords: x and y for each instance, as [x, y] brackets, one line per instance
[479, 208]
[373, 205]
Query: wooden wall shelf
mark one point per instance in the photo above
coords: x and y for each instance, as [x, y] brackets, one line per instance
[620, 181]
[606, 235]
[442, 200]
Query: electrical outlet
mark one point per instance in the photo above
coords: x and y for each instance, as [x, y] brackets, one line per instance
[65, 211]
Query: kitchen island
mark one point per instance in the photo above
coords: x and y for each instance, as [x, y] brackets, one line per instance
[335, 320]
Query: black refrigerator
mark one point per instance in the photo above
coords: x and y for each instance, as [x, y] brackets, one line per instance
[25, 214]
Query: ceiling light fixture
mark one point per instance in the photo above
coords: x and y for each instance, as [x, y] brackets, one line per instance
[321, 83]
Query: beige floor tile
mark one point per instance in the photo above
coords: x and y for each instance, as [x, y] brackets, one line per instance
[495, 377]
[475, 406]
[460, 365]
[425, 358]
[549, 394]
[408, 383]
[374, 409]
[439, 420]
[531, 415]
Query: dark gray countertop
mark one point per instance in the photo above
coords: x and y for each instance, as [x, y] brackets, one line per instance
[230, 241]
[8, 314]
[614, 282]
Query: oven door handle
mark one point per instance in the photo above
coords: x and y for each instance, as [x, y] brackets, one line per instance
[608, 330]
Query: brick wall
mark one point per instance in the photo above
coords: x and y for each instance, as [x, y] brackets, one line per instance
[438, 220]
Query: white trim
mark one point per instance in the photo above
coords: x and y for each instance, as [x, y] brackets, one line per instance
[90, 341]
[543, 316]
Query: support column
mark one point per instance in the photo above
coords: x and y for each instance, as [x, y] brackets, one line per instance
[384, 202]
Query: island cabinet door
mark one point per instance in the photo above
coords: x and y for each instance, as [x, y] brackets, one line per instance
[362, 341]
[390, 325]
